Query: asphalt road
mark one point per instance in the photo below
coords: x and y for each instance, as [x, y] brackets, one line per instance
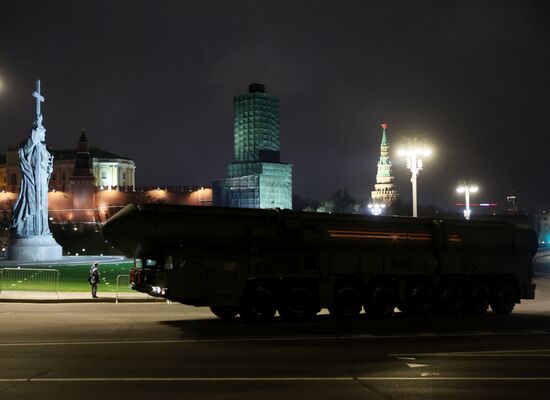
[170, 351]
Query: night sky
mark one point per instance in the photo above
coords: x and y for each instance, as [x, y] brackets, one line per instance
[155, 81]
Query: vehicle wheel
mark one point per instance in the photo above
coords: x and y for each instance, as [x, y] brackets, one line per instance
[419, 301]
[381, 302]
[225, 312]
[503, 299]
[478, 300]
[299, 305]
[348, 303]
[450, 301]
[258, 305]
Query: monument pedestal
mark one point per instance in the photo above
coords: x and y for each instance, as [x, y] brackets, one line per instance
[34, 248]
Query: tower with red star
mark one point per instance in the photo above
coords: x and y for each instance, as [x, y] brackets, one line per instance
[384, 190]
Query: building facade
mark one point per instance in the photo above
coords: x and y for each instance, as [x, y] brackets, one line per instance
[109, 170]
[257, 178]
[384, 189]
[88, 185]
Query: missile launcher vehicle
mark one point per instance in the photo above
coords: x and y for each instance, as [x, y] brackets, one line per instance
[257, 262]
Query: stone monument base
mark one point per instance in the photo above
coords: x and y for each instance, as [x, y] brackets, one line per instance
[34, 248]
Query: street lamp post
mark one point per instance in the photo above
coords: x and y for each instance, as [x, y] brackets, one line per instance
[413, 152]
[466, 188]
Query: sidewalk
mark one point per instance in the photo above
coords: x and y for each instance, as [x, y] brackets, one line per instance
[9, 296]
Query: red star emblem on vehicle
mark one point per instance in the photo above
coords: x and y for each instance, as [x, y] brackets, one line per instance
[394, 237]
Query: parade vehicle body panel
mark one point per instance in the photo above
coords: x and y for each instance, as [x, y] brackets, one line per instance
[255, 262]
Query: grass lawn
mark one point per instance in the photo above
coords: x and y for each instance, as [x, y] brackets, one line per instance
[72, 278]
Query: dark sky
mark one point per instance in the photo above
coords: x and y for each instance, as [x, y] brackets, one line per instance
[155, 81]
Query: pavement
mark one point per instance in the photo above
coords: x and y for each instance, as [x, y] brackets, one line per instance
[19, 296]
[152, 350]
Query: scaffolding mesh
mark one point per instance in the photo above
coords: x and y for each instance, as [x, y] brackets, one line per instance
[256, 125]
[269, 187]
[256, 179]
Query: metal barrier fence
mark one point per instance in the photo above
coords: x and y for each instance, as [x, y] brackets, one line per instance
[124, 290]
[29, 280]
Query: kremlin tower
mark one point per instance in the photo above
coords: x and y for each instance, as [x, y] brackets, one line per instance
[384, 190]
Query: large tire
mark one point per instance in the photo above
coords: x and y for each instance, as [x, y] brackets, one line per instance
[381, 302]
[450, 301]
[225, 312]
[348, 303]
[478, 299]
[298, 305]
[503, 298]
[419, 301]
[258, 305]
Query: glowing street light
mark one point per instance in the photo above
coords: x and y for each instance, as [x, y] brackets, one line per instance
[466, 188]
[413, 152]
[376, 208]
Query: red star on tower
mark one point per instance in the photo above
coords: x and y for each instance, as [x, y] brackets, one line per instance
[384, 125]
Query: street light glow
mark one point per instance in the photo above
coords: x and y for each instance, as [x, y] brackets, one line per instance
[376, 208]
[414, 150]
[413, 153]
[466, 188]
[471, 189]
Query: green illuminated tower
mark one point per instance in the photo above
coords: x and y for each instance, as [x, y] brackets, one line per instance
[256, 125]
[257, 178]
[384, 190]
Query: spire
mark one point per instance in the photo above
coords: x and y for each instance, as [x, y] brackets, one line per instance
[83, 142]
[83, 137]
[384, 142]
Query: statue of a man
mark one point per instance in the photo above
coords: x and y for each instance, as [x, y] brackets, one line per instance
[30, 212]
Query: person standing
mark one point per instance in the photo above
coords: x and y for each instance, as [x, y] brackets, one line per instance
[94, 278]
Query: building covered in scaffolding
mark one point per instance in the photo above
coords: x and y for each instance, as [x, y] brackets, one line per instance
[257, 178]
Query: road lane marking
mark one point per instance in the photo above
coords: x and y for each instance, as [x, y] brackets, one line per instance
[276, 379]
[483, 353]
[412, 365]
[406, 358]
[268, 339]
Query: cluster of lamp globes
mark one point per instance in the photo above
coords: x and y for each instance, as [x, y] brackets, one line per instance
[414, 152]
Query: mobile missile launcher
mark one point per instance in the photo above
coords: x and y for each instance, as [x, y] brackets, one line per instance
[256, 262]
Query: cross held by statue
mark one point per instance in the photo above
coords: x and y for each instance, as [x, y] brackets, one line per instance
[39, 98]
